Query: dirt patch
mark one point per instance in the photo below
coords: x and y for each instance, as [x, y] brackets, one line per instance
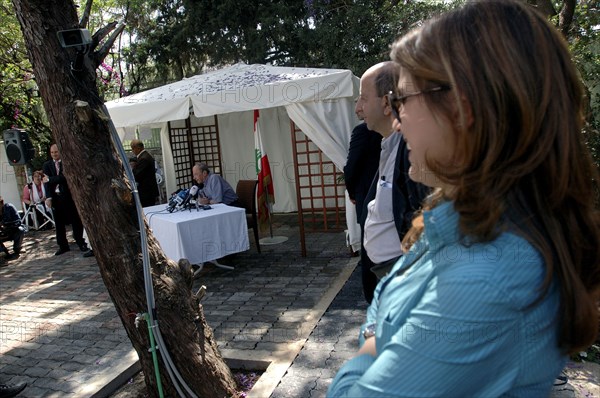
[136, 388]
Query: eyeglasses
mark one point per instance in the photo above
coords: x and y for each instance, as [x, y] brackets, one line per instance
[397, 100]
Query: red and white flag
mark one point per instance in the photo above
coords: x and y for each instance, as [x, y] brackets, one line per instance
[265, 194]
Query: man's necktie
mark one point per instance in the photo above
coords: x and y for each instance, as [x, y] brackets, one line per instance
[57, 165]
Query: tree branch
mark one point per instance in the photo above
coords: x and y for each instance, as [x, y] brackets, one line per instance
[102, 32]
[546, 7]
[101, 53]
[85, 18]
[565, 17]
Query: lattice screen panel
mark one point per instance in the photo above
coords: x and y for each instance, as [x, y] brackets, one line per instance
[194, 144]
[319, 188]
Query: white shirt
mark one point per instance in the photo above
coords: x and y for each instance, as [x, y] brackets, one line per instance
[381, 237]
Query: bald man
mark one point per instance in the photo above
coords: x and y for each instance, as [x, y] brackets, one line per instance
[61, 202]
[393, 197]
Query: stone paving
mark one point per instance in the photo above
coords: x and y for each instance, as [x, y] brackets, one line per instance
[335, 340]
[58, 327]
[332, 342]
[61, 334]
[300, 316]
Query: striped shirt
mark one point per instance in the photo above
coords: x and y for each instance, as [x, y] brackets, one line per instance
[456, 320]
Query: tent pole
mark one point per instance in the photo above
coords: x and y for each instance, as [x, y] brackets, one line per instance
[269, 211]
[271, 240]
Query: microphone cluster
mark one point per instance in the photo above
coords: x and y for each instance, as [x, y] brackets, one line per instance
[181, 198]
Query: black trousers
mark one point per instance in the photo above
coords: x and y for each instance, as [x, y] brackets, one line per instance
[65, 213]
[16, 235]
[369, 279]
[147, 200]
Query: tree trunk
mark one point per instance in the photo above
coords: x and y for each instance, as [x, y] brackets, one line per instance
[103, 197]
[565, 15]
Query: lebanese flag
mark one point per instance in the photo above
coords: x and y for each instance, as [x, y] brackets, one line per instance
[265, 193]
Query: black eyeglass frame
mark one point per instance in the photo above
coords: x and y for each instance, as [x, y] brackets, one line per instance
[397, 100]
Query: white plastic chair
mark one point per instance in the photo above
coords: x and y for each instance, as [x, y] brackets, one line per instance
[31, 216]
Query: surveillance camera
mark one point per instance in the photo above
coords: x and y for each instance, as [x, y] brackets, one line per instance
[74, 38]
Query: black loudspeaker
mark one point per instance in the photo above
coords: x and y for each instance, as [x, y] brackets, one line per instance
[19, 149]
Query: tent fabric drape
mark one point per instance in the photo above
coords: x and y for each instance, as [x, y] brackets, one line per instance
[236, 88]
[168, 163]
[329, 125]
[127, 112]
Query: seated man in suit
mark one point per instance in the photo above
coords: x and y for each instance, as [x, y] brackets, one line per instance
[216, 189]
[10, 228]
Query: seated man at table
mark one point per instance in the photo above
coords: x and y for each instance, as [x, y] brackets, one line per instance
[216, 189]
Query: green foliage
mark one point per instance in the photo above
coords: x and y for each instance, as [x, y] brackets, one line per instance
[584, 42]
[164, 50]
[166, 40]
[20, 104]
[357, 34]
[177, 38]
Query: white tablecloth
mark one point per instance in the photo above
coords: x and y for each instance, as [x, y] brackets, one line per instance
[201, 235]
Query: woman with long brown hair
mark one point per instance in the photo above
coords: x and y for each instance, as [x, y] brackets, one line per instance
[502, 280]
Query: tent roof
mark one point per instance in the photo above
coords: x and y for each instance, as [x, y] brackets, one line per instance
[237, 88]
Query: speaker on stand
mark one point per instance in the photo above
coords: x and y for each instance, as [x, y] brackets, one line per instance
[19, 149]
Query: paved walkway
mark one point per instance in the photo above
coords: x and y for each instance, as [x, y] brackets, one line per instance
[59, 330]
[331, 343]
[334, 341]
[60, 333]
[297, 317]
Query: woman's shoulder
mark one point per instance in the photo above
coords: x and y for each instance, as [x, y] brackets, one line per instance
[509, 265]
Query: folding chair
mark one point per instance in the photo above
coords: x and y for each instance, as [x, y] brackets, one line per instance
[30, 215]
[246, 192]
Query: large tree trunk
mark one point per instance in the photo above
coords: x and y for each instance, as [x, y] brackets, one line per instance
[102, 194]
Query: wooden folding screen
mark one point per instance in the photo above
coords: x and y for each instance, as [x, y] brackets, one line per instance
[194, 144]
[319, 188]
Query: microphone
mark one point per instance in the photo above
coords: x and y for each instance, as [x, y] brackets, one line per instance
[176, 200]
[172, 202]
[191, 193]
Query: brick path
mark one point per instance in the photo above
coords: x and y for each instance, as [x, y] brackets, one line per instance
[60, 333]
[58, 328]
[332, 342]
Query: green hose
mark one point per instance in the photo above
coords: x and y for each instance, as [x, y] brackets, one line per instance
[154, 356]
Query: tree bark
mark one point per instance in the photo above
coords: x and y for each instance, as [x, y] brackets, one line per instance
[565, 15]
[103, 197]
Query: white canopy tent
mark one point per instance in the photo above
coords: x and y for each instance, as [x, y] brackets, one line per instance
[319, 101]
